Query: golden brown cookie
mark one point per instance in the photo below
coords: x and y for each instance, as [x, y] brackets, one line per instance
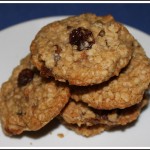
[82, 115]
[119, 92]
[28, 101]
[82, 50]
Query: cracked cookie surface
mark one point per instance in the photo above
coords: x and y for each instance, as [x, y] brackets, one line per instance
[83, 50]
[28, 101]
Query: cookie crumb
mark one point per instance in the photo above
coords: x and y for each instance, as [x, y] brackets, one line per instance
[60, 135]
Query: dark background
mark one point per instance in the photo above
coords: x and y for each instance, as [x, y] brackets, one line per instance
[136, 15]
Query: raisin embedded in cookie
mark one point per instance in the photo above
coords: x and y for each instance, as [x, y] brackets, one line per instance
[119, 92]
[78, 113]
[83, 50]
[28, 101]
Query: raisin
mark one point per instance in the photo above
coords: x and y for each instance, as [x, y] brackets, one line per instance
[19, 113]
[104, 114]
[82, 38]
[69, 27]
[102, 33]
[25, 76]
[36, 71]
[45, 72]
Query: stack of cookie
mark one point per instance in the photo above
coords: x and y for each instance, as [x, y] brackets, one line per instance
[87, 70]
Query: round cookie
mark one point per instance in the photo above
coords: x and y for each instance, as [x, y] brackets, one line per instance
[83, 50]
[119, 92]
[86, 131]
[28, 101]
[80, 114]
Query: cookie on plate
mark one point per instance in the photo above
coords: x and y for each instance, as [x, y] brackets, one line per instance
[80, 114]
[83, 50]
[119, 92]
[28, 101]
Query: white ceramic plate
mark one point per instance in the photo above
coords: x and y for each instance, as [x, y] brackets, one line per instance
[14, 45]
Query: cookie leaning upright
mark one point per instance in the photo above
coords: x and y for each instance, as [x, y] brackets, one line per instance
[28, 102]
[83, 50]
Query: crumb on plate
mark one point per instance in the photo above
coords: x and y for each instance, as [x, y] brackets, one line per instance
[60, 135]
